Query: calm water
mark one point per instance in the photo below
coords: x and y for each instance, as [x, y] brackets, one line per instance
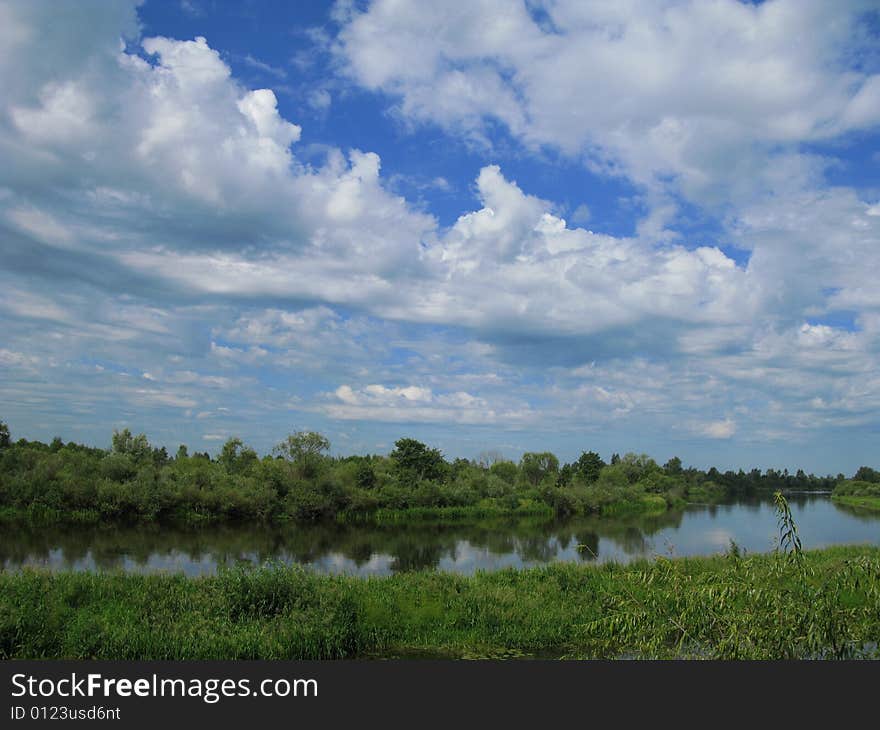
[370, 550]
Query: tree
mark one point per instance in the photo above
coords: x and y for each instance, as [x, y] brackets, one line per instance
[615, 459]
[302, 444]
[305, 450]
[588, 466]
[182, 452]
[867, 474]
[160, 456]
[565, 475]
[137, 447]
[535, 466]
[673, 466]
[365, 477]
[235, 456]
[414, 460]
[490, 457]
[4, 435]
[631, 467]
[505, 470]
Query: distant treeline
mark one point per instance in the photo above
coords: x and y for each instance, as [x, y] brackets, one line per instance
[135, 481]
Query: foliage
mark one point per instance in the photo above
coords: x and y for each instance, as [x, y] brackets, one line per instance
[365, 476]
[415, 461]
[727, 607]
[859, 494]
[789, 540]
[535, 467]
[504, 470]
[236, 457]
[589, 466]
[306, 451]
[134, 481]
[867, 474]
[855, 488]
[137, 447]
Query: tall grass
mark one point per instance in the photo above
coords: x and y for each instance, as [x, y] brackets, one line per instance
[754, 607]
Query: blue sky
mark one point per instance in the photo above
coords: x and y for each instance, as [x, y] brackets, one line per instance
[644, 226]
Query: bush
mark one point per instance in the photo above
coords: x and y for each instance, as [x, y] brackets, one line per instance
[855, 488]
[505, 471]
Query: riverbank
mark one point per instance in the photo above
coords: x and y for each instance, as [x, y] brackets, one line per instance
[40, 515]
[857, 493]
[867, 503]
[760, 606]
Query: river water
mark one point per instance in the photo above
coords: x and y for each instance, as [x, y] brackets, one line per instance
[464, 548]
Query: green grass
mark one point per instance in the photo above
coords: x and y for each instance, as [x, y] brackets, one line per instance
[859, 494]
[813, 604]
[647, 504]
[870, 503]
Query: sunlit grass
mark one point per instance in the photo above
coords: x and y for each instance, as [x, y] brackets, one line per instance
[760, 606]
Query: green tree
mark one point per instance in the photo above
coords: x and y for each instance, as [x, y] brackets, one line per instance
[302, 444]
[236, 457]
[637, 466]
[137, 447]
[589, 466]
[867, 474]
[534, 466]
[4, 435]
[415, 461]
[505, 470]
[305, 450]
[365, 477]
[160, 457]
[565, 475]
[673, 466]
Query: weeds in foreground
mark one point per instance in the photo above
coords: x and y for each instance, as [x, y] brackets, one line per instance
[780, 606]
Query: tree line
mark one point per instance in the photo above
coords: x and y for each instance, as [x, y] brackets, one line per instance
[300, 480]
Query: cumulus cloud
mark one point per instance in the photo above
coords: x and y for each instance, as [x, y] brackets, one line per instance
[509, 266]
[179, 254]
[694, 90]
[413, 403]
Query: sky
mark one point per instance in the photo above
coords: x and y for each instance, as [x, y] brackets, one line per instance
[508, 226]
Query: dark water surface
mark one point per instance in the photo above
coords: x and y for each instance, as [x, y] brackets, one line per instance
[372, 550]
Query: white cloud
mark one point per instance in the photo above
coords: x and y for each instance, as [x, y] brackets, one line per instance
[418, 404]
[157, 218]
[320, 99]
[542, 276]
[719, 429]
[19, 360]
[701, 91]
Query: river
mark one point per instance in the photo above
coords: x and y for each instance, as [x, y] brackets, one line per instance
[460, 548]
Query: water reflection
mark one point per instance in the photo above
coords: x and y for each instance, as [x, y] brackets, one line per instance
[493, 545]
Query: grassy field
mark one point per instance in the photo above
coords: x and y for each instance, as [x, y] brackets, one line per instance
[811, 604]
